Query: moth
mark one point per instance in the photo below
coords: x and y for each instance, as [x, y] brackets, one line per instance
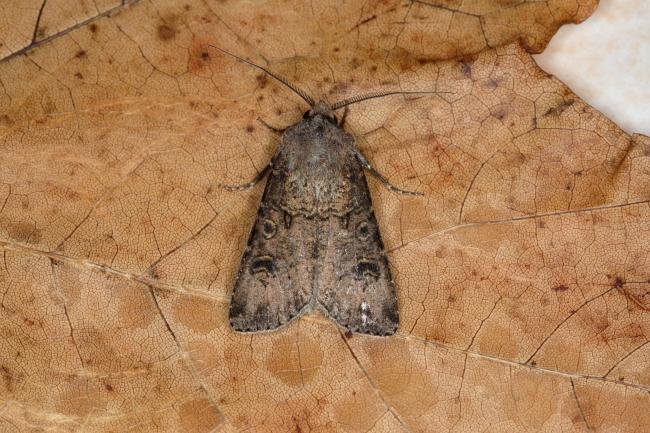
[315, 244]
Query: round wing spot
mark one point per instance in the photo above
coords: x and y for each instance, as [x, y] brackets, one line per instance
[269, 228]
[363, 230]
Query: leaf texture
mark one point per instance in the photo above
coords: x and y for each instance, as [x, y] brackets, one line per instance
[523, 273]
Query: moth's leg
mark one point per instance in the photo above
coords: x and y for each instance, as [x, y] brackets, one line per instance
[344, 117]
[250, 184]
[272, 128]
[381, 177]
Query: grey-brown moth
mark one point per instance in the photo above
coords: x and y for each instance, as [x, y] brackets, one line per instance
[315, 244]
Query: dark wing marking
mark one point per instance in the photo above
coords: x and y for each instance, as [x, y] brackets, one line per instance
[275, 276]
[355, 284]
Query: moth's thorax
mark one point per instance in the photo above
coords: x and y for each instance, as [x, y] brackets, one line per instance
[318, 159]
[320, 108]
[317, 130]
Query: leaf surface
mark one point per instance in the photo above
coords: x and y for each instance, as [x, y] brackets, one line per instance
[523, 272]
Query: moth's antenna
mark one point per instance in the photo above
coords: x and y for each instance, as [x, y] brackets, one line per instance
[280, 78]
[359, 98]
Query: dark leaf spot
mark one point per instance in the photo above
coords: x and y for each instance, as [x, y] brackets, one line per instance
[560, 108]
[492, 83]
[166, 32]
[425, 60]
[5, 120]
[466, 69]
[261, 79]
[618, 282]
[24, 232]
[7, 377]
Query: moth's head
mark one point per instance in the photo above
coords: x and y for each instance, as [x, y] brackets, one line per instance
[321, 110]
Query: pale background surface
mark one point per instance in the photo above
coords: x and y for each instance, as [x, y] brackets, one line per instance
[606, 61]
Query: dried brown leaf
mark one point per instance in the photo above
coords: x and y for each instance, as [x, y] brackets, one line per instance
[523, 273]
